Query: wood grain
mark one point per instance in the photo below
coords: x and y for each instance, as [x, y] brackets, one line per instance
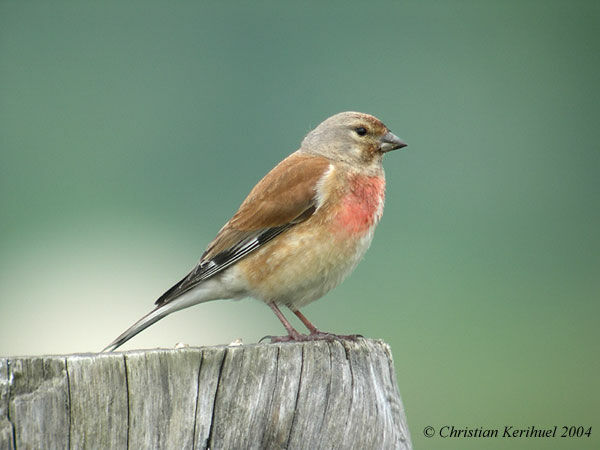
[323, 394]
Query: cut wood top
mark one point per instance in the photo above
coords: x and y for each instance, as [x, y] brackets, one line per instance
[319, 394]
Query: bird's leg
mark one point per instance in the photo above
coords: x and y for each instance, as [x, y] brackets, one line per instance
[315, 333]
[293, 335]
[306, 322]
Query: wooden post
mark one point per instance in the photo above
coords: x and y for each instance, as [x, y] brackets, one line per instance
[321, 394]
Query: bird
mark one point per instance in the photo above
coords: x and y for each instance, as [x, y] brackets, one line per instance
[300, 231]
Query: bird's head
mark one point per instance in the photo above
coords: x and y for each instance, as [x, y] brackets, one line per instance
[351, 137]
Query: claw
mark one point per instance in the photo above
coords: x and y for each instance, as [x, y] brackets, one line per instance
[330, 336]
[317, 336]
[287, 338]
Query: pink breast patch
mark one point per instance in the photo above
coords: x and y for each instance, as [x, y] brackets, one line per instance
[362, 206]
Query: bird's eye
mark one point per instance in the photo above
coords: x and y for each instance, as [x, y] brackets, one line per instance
[361, 131]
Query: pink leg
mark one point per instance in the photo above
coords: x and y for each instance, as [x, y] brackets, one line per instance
[306, 322]
[316, 334]
[293, 335]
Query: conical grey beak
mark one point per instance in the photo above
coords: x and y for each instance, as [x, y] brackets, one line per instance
[391, 142]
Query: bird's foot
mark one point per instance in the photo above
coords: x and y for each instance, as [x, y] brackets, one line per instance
[313, 336]
[317, 335]
[293, 336]
[276, 339]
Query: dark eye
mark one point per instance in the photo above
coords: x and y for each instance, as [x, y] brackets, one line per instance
[361, 131]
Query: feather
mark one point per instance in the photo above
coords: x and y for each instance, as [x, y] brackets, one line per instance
[285, 197]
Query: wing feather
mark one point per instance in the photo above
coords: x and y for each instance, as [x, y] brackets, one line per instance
[285, 197]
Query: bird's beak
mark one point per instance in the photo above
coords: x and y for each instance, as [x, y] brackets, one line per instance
[390, 142]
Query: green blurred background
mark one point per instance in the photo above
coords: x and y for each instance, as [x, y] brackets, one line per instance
[129, 133]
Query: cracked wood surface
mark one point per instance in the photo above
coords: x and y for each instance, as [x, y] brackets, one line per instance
[312, 395]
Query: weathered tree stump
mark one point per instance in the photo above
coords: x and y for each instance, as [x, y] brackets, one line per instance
[312, 395]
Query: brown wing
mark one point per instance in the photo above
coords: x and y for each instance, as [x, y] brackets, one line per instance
[284, 197]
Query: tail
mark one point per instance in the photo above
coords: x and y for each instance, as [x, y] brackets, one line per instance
[152, 317]
[208, 290]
